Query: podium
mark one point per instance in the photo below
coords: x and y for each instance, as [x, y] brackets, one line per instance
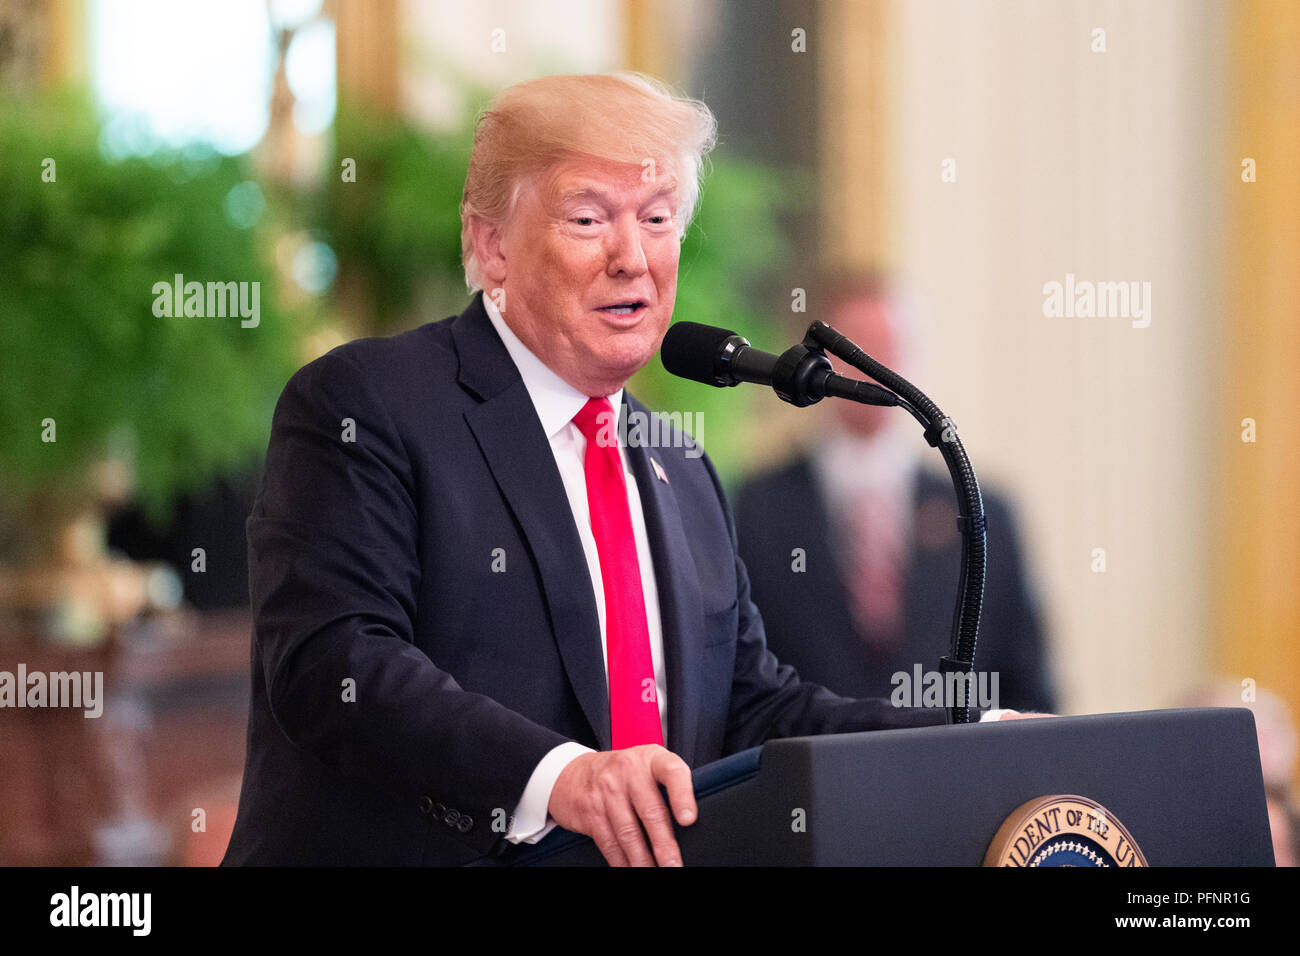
[1185, 784]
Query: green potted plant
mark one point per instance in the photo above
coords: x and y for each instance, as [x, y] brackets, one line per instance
[105, 387]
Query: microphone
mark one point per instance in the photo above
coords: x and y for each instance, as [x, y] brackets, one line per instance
[801, 375]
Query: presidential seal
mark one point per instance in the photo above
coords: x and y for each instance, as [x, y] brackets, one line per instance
[1062, 830]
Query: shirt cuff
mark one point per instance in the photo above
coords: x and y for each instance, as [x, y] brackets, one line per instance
[531, 822]
[995, 714]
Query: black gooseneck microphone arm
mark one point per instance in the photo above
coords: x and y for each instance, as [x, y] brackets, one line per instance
[942, 434]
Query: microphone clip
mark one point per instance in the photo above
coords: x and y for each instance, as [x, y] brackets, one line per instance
[800, 374]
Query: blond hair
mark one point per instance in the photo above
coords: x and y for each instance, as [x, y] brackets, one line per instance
[625, 117]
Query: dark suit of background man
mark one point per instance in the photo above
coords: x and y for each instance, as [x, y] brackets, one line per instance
[441, 589]
[875, 591]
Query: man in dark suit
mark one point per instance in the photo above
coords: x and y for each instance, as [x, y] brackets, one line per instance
[853, 551]
[477, 616]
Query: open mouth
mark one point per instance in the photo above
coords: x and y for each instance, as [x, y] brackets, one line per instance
[631, 307]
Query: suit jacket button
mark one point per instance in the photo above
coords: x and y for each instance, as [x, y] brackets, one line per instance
[466, 823]
[426, 805]
[451, 818]
[438, 810]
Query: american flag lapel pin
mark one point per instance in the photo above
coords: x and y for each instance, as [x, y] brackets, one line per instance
[659, 471]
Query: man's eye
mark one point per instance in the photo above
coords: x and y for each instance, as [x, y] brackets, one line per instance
[584, 220]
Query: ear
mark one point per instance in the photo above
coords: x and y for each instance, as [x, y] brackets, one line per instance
[486, 238]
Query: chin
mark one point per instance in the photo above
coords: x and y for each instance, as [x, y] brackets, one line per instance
[620, 364]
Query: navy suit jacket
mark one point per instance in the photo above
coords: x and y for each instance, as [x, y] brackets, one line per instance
[808, 616]
[424, 624]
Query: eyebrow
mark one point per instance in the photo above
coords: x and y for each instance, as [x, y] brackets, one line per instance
[599, 195]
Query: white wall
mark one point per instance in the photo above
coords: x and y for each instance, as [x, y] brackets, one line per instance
[1107, 165]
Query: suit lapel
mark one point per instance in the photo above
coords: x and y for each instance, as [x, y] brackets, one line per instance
[506, 428]
[520, 458]
[680, 604]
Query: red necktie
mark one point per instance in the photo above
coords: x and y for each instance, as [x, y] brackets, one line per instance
[633, 704]
[878, 555]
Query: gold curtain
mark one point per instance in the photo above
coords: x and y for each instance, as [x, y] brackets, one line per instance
[1257, 544]
[855, 44]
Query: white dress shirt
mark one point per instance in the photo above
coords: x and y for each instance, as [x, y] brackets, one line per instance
[556, 402]
[848, 465]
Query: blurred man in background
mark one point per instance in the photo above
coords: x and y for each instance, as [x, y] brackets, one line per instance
[853, 550]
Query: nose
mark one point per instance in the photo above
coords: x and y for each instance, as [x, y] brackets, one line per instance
[623, 252]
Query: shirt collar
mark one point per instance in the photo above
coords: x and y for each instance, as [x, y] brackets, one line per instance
[850, 465]
[555, 399]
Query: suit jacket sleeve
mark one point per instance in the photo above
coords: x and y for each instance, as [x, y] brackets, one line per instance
[768, 699]
[334, 566]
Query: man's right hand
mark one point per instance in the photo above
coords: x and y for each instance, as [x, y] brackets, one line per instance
[612, 794]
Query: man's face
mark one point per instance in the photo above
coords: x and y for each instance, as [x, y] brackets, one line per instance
[872, 324]
[588, 264]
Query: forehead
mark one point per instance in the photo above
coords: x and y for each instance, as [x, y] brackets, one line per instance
[590, 177]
